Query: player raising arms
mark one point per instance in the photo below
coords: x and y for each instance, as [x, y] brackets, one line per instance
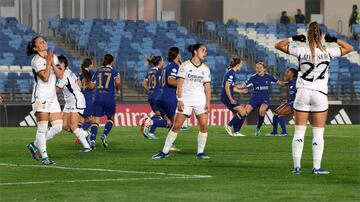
[152, 86]
[106, 79]
[312, 89]
[44, 99]
[260, 98]
[87, 88]
[230, 86]
[287, 108]
[74, 103]
[194, 92]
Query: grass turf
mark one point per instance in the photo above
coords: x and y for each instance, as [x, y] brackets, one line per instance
[242, 168]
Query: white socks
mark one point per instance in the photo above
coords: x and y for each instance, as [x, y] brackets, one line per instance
[40, 141]
[202, 137]
[56, 127]
[317, 146]
[81, 135]
[170, 139]
[298, 144]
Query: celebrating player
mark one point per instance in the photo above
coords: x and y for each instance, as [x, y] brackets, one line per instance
[44, 99]
[287, 108]
[106, 79]
[312, 89]
[230, 86]
[260, 98]
[74, 103]
[194, 92]
[152, 86]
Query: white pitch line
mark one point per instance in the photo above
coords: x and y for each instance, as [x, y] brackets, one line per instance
[97, 180]
[106, 170]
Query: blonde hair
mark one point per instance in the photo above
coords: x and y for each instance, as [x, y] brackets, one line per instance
[314, 37]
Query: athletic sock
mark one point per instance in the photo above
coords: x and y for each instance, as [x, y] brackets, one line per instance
[275, 124]
[108, 126]
[260, 121]
[94, 131]
[81, 134]
[158, 121]
[237, 127]
[56, 127]
[282, 122]
[317, 146]
[86, 125]
[170, 139]
[235, 119]
[298, 144]
[40, 141]
[202, 137]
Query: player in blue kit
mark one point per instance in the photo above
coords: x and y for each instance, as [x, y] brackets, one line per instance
[287, 108]
[152, 85]
[229, 87]
[106, 79]
[260, 98]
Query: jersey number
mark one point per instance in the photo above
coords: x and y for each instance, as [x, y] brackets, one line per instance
[152, 81]
[312, 67]
[108, 76]
[163, 78]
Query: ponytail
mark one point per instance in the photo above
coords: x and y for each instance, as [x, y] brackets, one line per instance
[154, 60]
[234, 61]
[30, 49]
[86, 72]
[194, 47]
[108, 59]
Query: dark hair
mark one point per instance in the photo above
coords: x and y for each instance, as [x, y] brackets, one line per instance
[261, 62]
[84, 71]
[31, 46]
[194, 47]
[234, 61]
[173, 52]
[63, 59]
[283, 13]
[294, 72]
[154, 60]
[108, 59]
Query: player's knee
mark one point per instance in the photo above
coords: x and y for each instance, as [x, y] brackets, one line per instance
[57, 126]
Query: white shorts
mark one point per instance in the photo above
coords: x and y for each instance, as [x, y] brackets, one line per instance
[46, 106]
[71, 107]
[308, 100]
[198, 109]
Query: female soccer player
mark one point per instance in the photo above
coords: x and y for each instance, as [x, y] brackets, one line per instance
[194, 92]
[260, 98]
[87, 88]
[44, 99]
[230, 86]
[74, 103]
[152, 84]
[312, 89]
[287, 108]
[106, 79]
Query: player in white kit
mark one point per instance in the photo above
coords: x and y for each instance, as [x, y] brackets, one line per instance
[74, 103]
[193, 92]
[312, 89]
[44, 101]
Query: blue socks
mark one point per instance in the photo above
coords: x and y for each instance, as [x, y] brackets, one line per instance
[275, 124]
[108, 126]
[86, 125]
[234, 120]
[238, 126]
[260, 121]
[282, 122]
[94, 131]
[158, 121]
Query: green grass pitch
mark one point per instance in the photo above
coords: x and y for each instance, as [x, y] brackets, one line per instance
[240, 169]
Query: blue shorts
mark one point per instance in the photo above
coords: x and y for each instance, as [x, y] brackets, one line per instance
[88, 111]
[167, 108]
[154, 104]
[104, 108]
[230, 106]
[256, 102]
[291, 105]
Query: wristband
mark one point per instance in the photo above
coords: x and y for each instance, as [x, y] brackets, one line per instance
[180, 99]
[291, 39]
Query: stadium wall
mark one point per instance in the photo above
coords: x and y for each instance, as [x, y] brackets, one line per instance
[131, 115]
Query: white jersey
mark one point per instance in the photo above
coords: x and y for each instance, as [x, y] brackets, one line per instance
[43, 91]
[71, 90]
[194, 79]
[313, 74]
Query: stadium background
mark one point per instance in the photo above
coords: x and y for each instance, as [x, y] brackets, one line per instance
[134, 29]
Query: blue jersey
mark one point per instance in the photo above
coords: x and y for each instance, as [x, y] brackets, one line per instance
[104, 79]
[292, 90]
[88, 93]
[167, 91]
[261, 85]
[153, 76]
[229, 77]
